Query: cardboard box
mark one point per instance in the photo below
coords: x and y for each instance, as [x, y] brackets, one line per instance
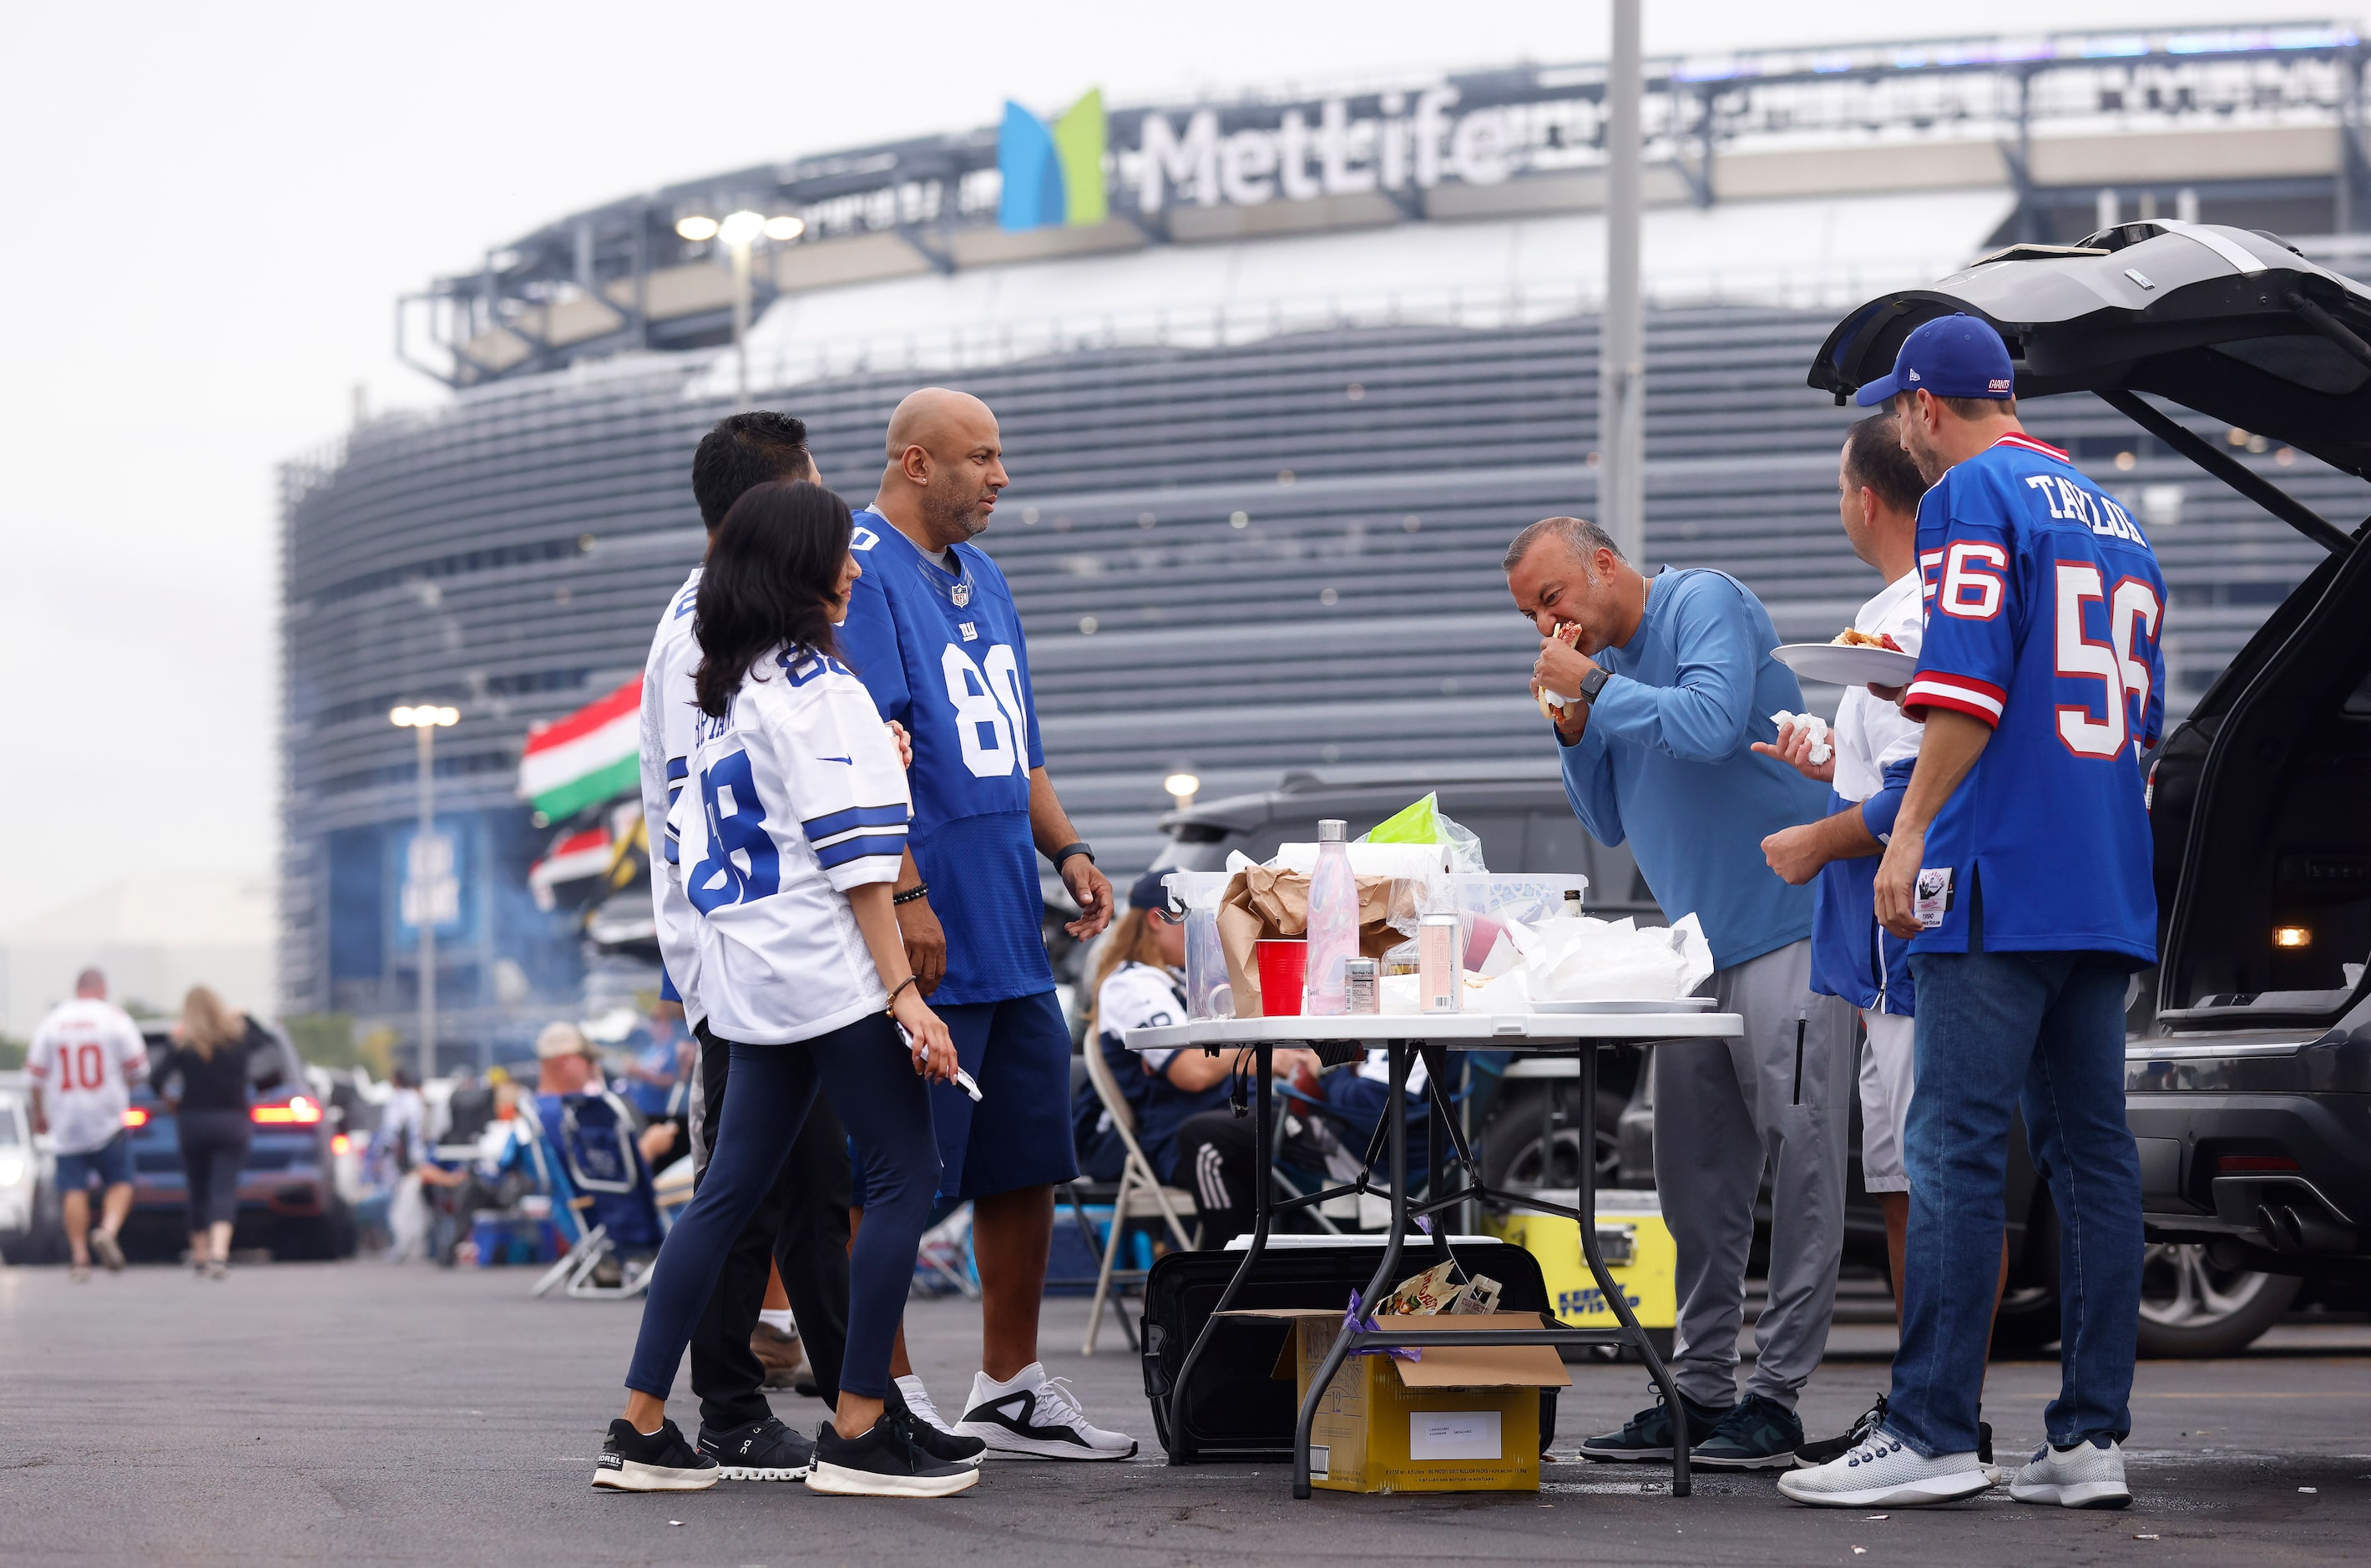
[1462, 1418]
[1629, 1224]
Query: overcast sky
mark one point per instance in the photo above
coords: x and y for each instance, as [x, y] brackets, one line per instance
[210, 211]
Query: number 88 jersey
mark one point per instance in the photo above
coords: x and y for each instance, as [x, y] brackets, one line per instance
[2044, 607]
[942, 653]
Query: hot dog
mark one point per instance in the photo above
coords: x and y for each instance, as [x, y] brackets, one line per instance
[1553, 708]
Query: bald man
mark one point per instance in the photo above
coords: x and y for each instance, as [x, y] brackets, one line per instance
[933, 633]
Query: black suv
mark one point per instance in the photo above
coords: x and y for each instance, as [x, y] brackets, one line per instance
[2249, 1066]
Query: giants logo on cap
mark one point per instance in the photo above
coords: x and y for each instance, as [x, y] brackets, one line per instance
[1998, 384]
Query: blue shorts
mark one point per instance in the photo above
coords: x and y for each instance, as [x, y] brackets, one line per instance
[111, 1162]
[1018, 1051]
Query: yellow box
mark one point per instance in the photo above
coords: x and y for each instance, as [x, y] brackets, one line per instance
[1631, 1221]
[1462, 1418]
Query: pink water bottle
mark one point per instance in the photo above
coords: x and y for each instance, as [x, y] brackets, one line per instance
[1333, 924]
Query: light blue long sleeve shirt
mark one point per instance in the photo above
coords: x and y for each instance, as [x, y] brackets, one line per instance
[1665, 762]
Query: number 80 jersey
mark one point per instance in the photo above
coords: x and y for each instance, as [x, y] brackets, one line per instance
[2044, 607]
[942, 653]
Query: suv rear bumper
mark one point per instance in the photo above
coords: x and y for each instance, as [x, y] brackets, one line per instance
[2212, 1170]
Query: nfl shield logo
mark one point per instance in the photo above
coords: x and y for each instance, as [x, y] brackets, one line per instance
[962, 594]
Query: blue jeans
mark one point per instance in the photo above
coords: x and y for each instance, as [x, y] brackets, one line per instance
[1993, 1029]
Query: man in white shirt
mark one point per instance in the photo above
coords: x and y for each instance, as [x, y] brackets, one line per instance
[85, 1056]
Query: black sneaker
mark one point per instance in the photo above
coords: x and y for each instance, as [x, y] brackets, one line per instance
[660, 1462]
[758, 1450]
[947, 1447]
[1863, 1428]
[1648, 1435]
[1759, 1435]
[885, 1462]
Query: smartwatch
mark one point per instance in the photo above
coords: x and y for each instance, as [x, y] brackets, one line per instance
[1067, 851]
[1592, 683]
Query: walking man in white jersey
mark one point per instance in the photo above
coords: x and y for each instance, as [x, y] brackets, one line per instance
[83, 1058]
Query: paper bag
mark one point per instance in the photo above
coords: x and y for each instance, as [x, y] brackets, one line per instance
[1261, 904]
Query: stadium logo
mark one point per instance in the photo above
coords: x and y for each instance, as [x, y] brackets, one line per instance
[1053, 174]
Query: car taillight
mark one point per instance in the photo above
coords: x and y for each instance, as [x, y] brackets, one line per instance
[299, 1111]
[135, 1117]
[340, 1144]
[2241, 1165]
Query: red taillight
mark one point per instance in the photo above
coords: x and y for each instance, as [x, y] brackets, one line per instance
[2241, 1165]
[340, 1144]
[135, 1117]
[299, 1111]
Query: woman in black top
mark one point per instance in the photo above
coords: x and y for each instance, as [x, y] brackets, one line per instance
[209, 1053]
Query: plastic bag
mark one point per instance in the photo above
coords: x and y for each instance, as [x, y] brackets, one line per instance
[1425, 824]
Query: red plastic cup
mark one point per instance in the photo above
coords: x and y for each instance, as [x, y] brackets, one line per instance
[1283, 970]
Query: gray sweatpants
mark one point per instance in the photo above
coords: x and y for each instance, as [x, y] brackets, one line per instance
[1725, 1111]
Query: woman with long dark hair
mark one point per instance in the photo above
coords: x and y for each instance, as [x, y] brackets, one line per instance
[210, 1113]
[789, 829]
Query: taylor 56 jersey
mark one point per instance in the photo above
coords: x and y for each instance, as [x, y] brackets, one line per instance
[942, 653]
[2044, 607]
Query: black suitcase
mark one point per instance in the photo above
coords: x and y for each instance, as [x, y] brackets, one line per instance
[1236, 1411]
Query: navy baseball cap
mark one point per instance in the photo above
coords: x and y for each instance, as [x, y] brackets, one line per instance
[1148, 892]
[1951, 356]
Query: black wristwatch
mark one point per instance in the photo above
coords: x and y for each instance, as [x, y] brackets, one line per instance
[1067, 851]
[1592, 683]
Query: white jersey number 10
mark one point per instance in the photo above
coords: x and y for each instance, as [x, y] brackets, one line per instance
[990, 722]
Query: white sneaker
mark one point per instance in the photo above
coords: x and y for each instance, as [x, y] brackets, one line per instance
[2084, 1476]
[918, 1401]
[1035, 1416]
[1886, 1473]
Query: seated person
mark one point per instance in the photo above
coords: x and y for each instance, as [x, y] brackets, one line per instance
[1139, 984]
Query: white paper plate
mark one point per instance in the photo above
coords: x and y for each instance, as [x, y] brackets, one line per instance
[1665, 1004]
[1841, 666]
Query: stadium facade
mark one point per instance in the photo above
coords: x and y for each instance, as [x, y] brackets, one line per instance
[1277, 377]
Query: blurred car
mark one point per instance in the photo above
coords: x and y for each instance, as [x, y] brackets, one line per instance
[288, 1198]
[30, 1229]
[1523, 1128]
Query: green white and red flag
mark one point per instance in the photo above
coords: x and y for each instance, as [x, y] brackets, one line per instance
[591, 755]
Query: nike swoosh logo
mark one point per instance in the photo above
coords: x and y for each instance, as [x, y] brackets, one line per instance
[850, 760]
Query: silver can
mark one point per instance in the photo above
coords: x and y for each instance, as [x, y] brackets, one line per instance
[1359, 976]
[1438, 979]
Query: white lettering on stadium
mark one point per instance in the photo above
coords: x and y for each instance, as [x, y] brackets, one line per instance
[1414, 141]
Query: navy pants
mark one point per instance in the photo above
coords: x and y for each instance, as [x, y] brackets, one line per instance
[870, 1075]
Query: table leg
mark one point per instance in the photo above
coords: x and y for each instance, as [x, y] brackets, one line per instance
[1395, 1118]
[1262, 1157]
[1605, 1277]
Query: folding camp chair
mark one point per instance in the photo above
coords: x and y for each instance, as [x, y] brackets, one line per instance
[601, 1195]
[1140, 1196]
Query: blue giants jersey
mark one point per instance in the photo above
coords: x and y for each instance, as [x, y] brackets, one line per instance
[942, 653]
[2044, 610]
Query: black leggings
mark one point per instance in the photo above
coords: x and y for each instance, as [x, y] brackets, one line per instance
[870, 1075]
[214, 1148]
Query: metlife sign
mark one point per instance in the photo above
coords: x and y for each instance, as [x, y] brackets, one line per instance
[1389, 143]
[1417, 141]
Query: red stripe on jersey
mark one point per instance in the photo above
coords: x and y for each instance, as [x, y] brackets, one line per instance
[2016, 438]
[1978, 699]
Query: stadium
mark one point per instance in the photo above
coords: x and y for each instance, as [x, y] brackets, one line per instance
[1279, 375]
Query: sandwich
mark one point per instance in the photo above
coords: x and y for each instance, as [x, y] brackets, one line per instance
[1851, 637]
[1553, 708]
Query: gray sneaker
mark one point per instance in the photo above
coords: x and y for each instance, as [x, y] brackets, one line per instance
[1886, 1473]
[2089, 1475]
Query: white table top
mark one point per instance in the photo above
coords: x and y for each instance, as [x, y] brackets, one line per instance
[1464, 1031]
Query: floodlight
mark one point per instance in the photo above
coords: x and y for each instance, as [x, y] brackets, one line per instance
[739, 228]
[695, 228]
[785, 227]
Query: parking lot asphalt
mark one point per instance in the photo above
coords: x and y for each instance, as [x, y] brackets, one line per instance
[362, 1414]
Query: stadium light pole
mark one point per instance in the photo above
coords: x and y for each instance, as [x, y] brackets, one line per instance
[422, 871]
[1621, 339]
[739, 231]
